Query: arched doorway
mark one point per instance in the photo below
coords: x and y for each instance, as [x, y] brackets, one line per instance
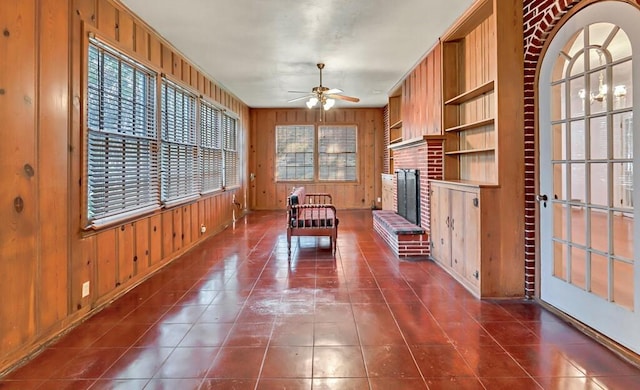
[588, 166]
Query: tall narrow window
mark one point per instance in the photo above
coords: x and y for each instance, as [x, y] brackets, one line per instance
[122, 175]
[230, 151]
[180, 176]
[295, 153]
[210, 147]
[337, 153]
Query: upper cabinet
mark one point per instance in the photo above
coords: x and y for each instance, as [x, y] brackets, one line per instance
[482, 77]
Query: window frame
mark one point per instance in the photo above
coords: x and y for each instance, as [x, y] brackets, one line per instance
[92, 221]
[214, 146]
[191, 147]
[158, 78]
[230, 152]
[316, 153]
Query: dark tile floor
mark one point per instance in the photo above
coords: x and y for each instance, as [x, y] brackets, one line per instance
[234, 314]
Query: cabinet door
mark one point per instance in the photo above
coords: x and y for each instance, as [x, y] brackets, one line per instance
[457, 226]
[441, 248]
[472, 237]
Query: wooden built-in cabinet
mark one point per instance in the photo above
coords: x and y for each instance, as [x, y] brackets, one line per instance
[482, 116]
[456, 226]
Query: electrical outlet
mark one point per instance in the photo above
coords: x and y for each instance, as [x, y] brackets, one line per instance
[203, 229]
[379, 199]
[85, 289]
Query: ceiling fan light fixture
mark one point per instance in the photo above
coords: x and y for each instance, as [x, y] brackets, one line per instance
[312, 102]
[328, 103]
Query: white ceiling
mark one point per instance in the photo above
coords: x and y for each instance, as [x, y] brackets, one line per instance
[259, 50]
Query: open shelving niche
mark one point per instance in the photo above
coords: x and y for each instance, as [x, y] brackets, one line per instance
[395, 123]
[482, 194]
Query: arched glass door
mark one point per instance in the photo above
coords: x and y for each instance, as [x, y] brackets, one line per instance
[588, 168]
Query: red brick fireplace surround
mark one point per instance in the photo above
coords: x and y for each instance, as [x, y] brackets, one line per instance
[425, 154]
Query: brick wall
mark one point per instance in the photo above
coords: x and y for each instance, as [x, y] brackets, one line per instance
[428, 158]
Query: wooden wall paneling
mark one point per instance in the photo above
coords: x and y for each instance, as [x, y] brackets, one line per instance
[371, 163]
[156, 239]
[166, 58]
[106, 264]
[267, 194]
[195, 77]
[178, 235]
[205, 214]
[167, 234]
[141, 42]
[186, 72]
[126, 252]
[107, 19]
[126, 31]
[195, 220]
[142, 254]
[186, 226]
[18, 201]
[176, 66]
[155, 51]
[86, 11]
[53, 162]
[83, 270]
[82, 250]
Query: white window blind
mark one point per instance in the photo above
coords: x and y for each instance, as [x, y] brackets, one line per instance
[230, 151]
[295, 153]
[210, 146]
[180, 176]
[337, 147]
[122, 150]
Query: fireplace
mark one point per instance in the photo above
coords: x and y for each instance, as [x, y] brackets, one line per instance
[408, 193]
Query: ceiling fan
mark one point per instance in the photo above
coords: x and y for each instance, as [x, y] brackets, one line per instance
[323, 95]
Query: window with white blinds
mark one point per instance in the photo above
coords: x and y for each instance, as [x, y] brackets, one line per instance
[295, 146]
[230, 159]
[337, 148]
[179, 149]
[329, 155]
[210, 146]
[122, 150]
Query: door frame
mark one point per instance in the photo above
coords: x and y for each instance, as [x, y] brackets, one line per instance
[614, 13]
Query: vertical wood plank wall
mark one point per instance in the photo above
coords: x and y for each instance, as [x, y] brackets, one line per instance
[421, 98]
[45, 255]
[267, 194]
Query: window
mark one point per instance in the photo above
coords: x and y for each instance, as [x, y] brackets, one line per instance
[139, 161]
[337, 153]
[122, 148]
[230, 160]
[180, 176]
[297, 154]
[294, 153]
[210, 147]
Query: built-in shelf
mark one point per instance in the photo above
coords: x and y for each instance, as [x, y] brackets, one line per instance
[472, 94]
[395, 140]
[413, 142]
[468, 151]
[472, 125]
[396, 125]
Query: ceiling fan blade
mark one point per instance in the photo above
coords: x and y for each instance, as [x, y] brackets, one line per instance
[298, 91]
[332, 91]
[343, 97]
[300, 98]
